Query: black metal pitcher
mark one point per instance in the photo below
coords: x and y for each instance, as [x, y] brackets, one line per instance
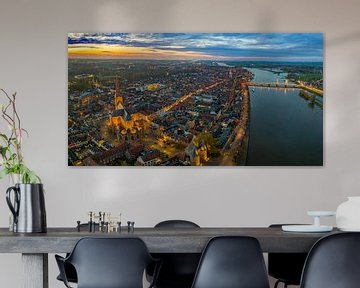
[28, 208]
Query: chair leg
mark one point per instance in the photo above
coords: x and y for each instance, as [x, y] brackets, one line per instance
[278, 282]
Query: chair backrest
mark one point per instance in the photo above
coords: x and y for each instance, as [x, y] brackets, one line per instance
[178, 267]
[177, 224]
[232, 262]
[110, 262]
[333, 262]
[286, 266]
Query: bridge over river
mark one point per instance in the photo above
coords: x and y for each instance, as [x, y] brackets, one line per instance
[274, 85]
[286, 86]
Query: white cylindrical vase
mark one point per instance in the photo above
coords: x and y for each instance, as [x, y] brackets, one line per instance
[348, 214]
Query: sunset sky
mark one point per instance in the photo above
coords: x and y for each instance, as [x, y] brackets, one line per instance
[200, 46]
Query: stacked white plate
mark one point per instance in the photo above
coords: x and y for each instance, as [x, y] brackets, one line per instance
[314, 228]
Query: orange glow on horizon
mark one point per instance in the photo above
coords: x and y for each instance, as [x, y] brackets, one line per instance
[118, 51]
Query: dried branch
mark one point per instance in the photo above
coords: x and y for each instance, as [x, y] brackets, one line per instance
[12, 159]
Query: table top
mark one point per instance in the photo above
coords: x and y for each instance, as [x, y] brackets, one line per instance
[158, 240]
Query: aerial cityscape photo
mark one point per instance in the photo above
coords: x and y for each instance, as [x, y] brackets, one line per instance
[204, 99]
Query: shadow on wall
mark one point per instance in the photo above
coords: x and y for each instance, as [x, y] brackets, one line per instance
[266, 22]
[344, 39]
[130, 16]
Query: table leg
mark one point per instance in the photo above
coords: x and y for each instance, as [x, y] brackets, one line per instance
[35, 270]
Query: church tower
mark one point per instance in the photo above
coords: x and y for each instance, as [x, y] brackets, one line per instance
[119, 100]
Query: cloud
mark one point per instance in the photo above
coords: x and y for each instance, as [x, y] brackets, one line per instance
[226, 45]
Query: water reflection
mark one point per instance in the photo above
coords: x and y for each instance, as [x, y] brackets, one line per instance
[286, 128]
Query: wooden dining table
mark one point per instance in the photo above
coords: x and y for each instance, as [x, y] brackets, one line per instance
[35, 247]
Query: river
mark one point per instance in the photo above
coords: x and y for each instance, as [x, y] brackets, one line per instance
[285, 129]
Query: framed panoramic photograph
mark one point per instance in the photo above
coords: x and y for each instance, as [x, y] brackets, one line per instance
[204, 99]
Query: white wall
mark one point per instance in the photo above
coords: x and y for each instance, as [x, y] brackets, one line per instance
[33, 62]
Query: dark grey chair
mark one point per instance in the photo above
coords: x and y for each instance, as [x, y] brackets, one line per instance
[232, 262]
[178, 269]
[70, 271]
[333, 262]
[286, 267]
[108, 263]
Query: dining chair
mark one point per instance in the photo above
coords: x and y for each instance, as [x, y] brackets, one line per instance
[232, 262]
[108, 263]
[70, 271]
[178, 269]
[333, 262]
[286, 267]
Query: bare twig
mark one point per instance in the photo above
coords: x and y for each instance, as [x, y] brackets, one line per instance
[11, 152]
